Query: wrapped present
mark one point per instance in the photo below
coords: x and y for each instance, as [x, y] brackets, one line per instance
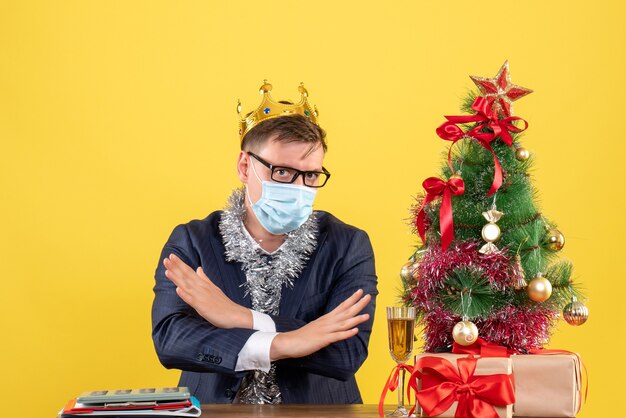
[454, 385]
[547, 385]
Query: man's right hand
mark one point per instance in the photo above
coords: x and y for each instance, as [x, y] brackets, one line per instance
[199, 292]
[339, 324]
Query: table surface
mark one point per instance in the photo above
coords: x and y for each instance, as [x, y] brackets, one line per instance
[292, 411]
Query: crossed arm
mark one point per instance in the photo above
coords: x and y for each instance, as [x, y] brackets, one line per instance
[209, 301]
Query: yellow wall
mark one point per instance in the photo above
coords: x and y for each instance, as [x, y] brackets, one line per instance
[117, 122]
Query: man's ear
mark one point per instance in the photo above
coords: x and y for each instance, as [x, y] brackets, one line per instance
[243, 165]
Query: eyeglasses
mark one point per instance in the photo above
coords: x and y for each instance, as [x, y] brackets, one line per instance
[281, 174]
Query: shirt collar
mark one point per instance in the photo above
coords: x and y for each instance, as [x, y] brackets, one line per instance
[256, 244]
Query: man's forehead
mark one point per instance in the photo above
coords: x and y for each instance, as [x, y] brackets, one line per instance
[286, 152]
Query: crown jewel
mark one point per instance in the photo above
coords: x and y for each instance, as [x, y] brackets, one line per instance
[269, 109]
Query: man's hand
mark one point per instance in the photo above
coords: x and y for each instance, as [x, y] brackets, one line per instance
[195, 288]
[339, 324]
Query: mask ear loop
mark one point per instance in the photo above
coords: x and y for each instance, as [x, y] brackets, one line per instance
[257, 177]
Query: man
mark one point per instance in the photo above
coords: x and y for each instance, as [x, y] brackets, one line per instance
[268, 301]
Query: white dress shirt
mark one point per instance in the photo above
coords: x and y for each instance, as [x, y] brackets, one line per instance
[255, 354]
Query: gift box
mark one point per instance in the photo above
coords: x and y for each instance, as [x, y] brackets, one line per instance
[477, 385]
[547, 385]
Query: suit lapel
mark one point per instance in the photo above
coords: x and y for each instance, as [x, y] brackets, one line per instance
[232, 276]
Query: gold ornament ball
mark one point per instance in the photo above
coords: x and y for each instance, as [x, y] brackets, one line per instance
[407, 271]
[555, 241]
[465, 333]
[575, 313]
[539, 289]
[522, 154]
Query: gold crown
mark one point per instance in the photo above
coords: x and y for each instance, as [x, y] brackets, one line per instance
[269, 109]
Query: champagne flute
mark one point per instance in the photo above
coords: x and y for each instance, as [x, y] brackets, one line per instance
[401, 324]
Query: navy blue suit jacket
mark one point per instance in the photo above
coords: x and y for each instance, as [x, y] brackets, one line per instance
[342, 263]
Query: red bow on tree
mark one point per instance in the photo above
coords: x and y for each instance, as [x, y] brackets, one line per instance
[436, 187]
[442, 385]
[498, 128]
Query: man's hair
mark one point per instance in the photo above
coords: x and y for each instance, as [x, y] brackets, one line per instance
[291, 128]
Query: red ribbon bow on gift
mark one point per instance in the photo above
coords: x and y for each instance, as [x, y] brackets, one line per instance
[436, 187]
[485, 119]
[442, 385]
[482, 348]
[392, 384]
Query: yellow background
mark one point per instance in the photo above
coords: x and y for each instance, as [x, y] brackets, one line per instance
[117, 122]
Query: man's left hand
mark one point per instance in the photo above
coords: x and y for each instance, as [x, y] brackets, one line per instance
[199, 292]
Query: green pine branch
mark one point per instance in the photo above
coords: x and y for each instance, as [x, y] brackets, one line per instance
[468, 293]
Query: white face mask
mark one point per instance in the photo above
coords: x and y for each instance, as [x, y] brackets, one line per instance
[282, 207]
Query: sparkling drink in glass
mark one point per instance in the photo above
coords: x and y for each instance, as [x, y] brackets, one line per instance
[401, 326]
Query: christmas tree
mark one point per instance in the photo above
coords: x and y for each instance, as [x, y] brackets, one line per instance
[488, 262]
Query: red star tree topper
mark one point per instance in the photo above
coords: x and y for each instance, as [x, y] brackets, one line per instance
[499, 90]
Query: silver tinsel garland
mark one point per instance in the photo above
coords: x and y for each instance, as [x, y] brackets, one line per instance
[265, 277]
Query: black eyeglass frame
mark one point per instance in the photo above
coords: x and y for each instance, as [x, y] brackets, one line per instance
[273, 167]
